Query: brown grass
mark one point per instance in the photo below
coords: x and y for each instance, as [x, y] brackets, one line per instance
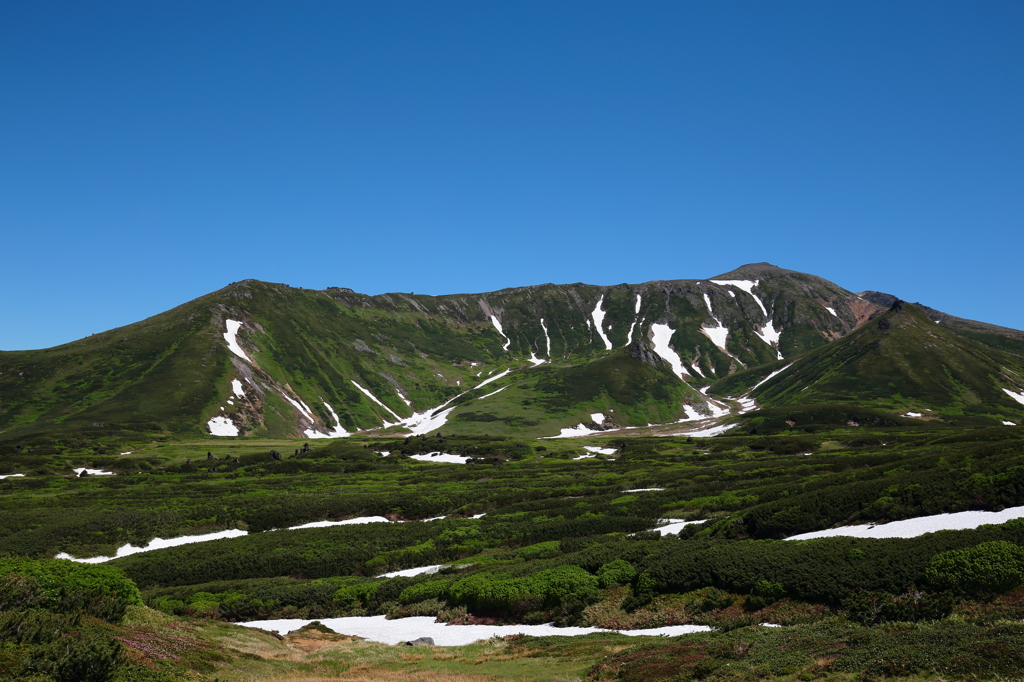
[376, 674]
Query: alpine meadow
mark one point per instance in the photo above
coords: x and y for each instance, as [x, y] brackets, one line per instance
[754, 475]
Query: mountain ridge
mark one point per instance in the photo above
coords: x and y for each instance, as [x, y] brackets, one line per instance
[316, 363]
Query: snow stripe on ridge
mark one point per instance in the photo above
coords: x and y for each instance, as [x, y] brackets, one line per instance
[497, 325]
[662, 335]
[598, 316]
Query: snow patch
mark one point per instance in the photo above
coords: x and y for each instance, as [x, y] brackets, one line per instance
[425, 422]
[2, 476]
[546, 337]
[770, 336]
[1019, 397]
[301, 407]
[1005, 423]
[691, 414]
[770, 377]
[570, 432]
[398, 630]
[597, 418]
[598, 316]
[347, 522]
[642, 490]
[374, 399]
[831, 310]
[497, 325]
[718, 336]
[707, 302]
[912, 528]
[494, 378]
[410, 572]
[338, 432]
[599, 451]
[673, 526]
[746, 285]
[231, 336]
[441, 458]
[237, 388]
[493, 393]
[222, 426]
[913, 414]
[636, 314]
[707, 433]
[584, 457]
[661, 335]
[747, 405]
[718, 410]
[156, 543]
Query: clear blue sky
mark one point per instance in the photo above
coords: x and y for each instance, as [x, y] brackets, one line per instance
[152, 152]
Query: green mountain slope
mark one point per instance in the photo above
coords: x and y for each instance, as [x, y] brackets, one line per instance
[265, 359]
[903, 361]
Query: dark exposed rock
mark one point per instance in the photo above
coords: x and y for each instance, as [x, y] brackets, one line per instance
[639, 350]
[422, 641]
[884, 324]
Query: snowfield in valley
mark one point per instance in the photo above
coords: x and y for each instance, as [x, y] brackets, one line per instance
[912, 528]
[398, 630]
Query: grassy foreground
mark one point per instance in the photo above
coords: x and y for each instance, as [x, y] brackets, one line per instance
[529, 531]
[164, 648]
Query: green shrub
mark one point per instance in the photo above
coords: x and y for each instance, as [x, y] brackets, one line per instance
[618, 572]
[641, 592]
[356, 595]
[60, 647]
[67, 587]
[985, 569]
[432, 589]
[765, 593]
[499, 594]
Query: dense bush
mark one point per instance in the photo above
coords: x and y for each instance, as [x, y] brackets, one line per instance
[57, 646]
[67, 587]
[826, 570]
[501, 595]
[618, 572]
[988, 568]
[49, 620]
[765, 593]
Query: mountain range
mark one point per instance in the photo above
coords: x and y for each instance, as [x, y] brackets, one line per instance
[757, 347]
